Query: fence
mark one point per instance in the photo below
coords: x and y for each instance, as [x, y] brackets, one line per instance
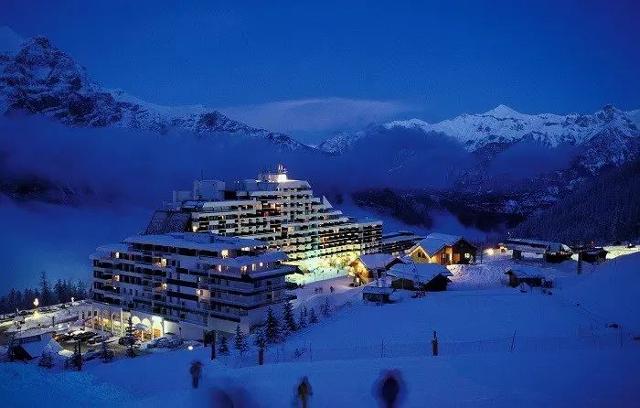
[513, 344]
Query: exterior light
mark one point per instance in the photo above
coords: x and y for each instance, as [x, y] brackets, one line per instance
[36, 302]
[72, 299]
[224, 253]
[490, 251]
[190, 348]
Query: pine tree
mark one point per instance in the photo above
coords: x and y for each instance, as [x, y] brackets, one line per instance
[223, 348]
[45, 290]
[260, 340]
[313, 317]
[130, 338]
[289, 321]
[59, 291]
[240, 341]
[326, 308]
[272, 329]
[80, 290]
[14, 300]
[106, 354]
[46, 360]
[302, 321]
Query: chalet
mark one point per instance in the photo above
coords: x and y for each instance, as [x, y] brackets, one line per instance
[32, 346]
[396, 243]
[371, 266]
[377, 294]
[443, 249]
[593, 255]
[419, 276]
[550, 251]
[534, 277]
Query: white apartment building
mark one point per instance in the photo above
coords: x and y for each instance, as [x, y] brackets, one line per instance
[282, 212]
[189, 282]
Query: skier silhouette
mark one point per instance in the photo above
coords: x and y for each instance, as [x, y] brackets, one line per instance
[304, 392]
[196, 371]
[390, 389]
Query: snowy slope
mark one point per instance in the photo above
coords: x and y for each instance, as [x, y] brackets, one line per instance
[611, 291]
[40, 79]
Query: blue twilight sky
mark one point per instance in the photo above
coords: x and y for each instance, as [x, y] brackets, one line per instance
[312, 68]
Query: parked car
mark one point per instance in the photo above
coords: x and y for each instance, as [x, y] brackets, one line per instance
[125, 341]
[91, 355]
[97, 339]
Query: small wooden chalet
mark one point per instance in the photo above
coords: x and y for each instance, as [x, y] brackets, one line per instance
[443, 249]
[532, 276]
[593, 255]
[370, 267]
[554, 252]
[419, 276]
[377, 294]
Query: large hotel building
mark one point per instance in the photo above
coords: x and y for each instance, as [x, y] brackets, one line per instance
[273, 208]
[218, 255]
[191, 281]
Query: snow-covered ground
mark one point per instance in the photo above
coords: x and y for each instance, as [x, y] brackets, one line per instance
[499, 347]
[581, 378]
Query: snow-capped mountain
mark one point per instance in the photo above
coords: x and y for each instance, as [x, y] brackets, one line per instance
[38, 78]
[503, 125]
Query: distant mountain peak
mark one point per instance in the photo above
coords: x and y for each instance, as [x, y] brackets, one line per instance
[503, 111]
[606, 136]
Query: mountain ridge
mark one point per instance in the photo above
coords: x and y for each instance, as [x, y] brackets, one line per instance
[506, 125]
[41, 79]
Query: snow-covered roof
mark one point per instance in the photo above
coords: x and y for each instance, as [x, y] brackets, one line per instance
[106, 250]
[528, 271]
[378, 290]
[400, 236]
[200, 241]
[376, 261]
[435, 241]
[418, 272]
[536, 245]
[36, 348]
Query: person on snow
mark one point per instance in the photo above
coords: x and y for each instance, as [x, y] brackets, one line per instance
[304, 392]
[196, 371]
[390, 389]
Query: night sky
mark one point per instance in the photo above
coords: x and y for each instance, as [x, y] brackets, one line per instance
[340, 65]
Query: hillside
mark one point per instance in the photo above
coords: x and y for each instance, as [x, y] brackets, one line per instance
[605, 209]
